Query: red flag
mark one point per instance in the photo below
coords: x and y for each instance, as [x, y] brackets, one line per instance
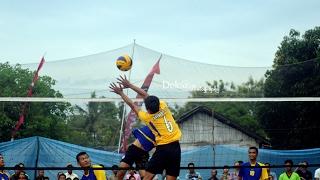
[132, 116]
[29, 94]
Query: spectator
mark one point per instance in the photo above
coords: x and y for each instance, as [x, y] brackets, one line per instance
[317, 174]
[192, 174]
[214, 174]
[19, 167]
[133, 173]
[22, 176]
[303, 171]
[225, 174]
[271, 175]
[289, 174]
[132, 178]
[114, 172]
[3, 174]
[61, 176]
[252, 170]
[17, 170]
[234, 175]
[70, 174]
[84, 161]
[41, 175]
[58, 174]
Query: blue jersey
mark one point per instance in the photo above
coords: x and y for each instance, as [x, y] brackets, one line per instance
[145, 137]
[91, 176]
[253, 173]
[95, 174]
[4, 176]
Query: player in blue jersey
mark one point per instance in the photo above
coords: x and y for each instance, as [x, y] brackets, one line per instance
[253, 170]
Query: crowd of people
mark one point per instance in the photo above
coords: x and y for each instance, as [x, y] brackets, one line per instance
[20, 173]
[254, 170]
[251, 170]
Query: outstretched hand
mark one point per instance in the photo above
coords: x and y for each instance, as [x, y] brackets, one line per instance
[116, 89]
[124, 81]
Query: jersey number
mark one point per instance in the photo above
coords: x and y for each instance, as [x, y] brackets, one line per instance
[168, 124]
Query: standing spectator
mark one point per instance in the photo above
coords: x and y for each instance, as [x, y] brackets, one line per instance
[84, 161]
[70, 174]
[192, 175]
[234, 175]
[289, 174]
[214, 174]
[114, 172]
[317, 174]
[19, 167]
[61, 176]
[252, 170]
[225, 174]
[22, 176]
[303, 171]
[3, 174]
[271, 175]
[134, 174]
[17, 170]
[41, 175]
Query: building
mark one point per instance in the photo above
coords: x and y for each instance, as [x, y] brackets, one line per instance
[202, 126]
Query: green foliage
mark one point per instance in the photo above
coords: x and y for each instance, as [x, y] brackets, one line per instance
[295, 73]
[43, 119]
[95, 125]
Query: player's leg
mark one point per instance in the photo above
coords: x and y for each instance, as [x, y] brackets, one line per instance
[148, 176]
[121, 173]
[127, 161]
[141, 163]
[173, 151]
[168, 177]
[156, 164]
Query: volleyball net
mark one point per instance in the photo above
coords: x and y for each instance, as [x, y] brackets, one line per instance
[221, 110]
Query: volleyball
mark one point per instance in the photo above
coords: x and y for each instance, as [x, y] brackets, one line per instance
[124, 63]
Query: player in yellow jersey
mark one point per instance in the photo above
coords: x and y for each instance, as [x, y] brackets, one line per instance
[162, 124]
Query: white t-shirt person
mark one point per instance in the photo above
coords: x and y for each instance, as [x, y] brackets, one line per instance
[70, 174]
[317, 174]
[192, 174]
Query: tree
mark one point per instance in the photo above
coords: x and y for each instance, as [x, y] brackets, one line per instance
[42, 119]
[243, 113]
[295, 73]
[99, 124]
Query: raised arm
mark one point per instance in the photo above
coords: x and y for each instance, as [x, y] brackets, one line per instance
[127, 84]
[118, 90]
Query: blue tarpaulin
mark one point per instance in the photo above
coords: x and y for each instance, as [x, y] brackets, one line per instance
[44, 152]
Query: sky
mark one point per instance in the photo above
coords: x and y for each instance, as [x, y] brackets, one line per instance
[224, 32]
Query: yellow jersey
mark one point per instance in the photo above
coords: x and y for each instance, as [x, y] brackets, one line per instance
[162, 124]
